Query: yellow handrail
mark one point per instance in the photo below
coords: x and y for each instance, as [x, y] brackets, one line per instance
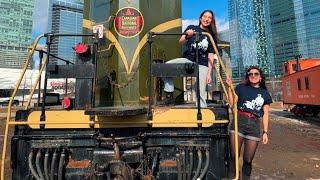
[233, 106]
[36, 83]
[4, 148]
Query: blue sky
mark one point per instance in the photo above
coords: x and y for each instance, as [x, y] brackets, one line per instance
[191, 10]
[40, 18]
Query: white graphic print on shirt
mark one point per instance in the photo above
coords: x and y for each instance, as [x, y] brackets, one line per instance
[202, 45]
[255, 103]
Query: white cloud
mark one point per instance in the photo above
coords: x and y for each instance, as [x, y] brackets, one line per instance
[222, 24]
[187, 22]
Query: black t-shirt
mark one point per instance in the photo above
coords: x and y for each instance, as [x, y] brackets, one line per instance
[251, 99]
[204, 46]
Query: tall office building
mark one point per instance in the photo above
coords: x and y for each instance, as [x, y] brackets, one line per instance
[251, 36]
[224, 38]
[295, 28]
[224, 35]
[16, 32]
[65, 16]
[307, 14]
[284, 33]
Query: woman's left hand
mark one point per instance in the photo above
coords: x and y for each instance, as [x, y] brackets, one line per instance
[229, 81]
[265, 138]
[208, 79]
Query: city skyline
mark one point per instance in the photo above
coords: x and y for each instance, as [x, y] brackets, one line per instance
[249, 36]
[65, 16]
[269, 33]
[307, 14]
[284, 34]
[190, 14]
[16, 31]
[299, 16]
[295, 28]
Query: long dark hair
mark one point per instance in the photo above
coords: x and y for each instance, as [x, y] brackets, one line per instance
[212, 28]
[262, 83]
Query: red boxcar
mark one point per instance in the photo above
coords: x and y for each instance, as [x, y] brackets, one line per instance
[301, 86]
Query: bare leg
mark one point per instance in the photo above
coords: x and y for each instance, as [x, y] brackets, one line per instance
[250, 148]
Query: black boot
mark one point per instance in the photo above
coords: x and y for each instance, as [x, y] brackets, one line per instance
[232, 170]
[169, 99]
[246, 170]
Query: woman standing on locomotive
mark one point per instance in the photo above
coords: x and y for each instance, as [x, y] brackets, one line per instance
[207, 23]
[253, 104]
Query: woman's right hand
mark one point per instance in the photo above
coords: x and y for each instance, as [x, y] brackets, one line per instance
[184, 38]
[230, 94]
[229, 81]
[189, 33]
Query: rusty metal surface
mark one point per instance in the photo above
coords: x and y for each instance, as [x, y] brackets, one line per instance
[168, 163]
[78, 164]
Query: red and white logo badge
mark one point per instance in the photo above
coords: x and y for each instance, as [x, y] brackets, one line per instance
[128, 22]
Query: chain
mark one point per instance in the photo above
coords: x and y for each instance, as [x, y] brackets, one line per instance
[129, 80]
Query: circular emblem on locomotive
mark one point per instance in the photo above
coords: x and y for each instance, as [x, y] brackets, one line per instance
[128, 22]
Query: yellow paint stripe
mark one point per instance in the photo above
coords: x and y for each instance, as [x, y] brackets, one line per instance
[60, 119]
[183, 118]
[87, 24]
[160, 28]
[114, 40]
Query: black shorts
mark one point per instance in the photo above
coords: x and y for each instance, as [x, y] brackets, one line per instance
[248, 128]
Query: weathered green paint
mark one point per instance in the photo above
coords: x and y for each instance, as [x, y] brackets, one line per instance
[166, 48]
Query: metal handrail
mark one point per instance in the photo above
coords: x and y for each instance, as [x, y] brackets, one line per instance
[43, 65]
[27, 63]
[36, 83]
[233, 106]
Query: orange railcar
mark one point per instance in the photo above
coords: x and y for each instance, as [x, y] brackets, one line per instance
[301, 86]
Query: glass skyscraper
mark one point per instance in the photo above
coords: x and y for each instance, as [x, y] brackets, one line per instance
[250, 36]
[16, 32]
[284, 33]
[224, 37]
[295, 28]
[307, 14]
[65, 16]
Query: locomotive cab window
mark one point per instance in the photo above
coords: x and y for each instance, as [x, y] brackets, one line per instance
[286, 68]
[299, 83]
[306, 81]
[294, 67]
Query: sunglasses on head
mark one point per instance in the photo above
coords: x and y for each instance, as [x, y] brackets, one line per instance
[253, 74]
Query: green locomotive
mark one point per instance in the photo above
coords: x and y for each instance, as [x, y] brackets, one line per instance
[113, 127]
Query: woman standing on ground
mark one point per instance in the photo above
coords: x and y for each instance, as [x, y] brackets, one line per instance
[207, 23]
[253, 104]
